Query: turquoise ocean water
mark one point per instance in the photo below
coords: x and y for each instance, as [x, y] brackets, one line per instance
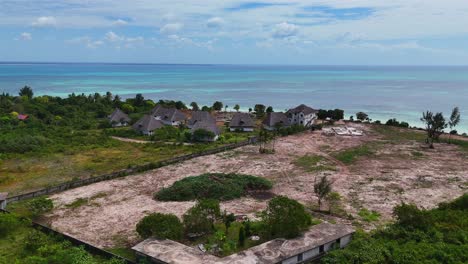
[381, 91]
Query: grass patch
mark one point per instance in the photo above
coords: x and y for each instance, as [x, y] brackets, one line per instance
[369, 216]
[213, 186]
[417, 154]
[314, 163]
[77, 203]
[399, 134]
[127, 253]
[350, 155]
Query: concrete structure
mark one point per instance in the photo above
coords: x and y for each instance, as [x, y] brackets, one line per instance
[275, 120]
[311, 245]
[118, 118]
[241, 122]
[3, 200]
[302, 115]
[168, 116]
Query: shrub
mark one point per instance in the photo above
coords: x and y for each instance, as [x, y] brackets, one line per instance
[285, 217]
[40, 206]
[8, 223]
[213, 186]
[162, 226]
[200, 218]
[201, 135]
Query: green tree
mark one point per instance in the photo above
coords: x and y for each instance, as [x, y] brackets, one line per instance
[285, 217]
[269, 109]
[127, 108]
[139, 100]
[201, 135]
[454, 120]
[200, 218]
[237, 107]
[162, 226]
[217, 106]
[362, 116]
[322, 188]
[259, 110]
[26, 91]
[194, 106]
[435, 125]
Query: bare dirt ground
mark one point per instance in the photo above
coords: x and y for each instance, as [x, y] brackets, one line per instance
[378, 182]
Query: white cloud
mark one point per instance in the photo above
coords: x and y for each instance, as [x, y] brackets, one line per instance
[25, 36]
[119, 22]
[171, 28]
[214, 22]
[285, 30]
[112, 37]
[87, 41]
[44, 21]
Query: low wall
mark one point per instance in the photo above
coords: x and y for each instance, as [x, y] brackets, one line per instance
[122, 173]
[76, 242]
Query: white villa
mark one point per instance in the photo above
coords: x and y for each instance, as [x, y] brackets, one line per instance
[302, 115]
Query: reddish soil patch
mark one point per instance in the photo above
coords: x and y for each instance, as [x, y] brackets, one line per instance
[377, 183]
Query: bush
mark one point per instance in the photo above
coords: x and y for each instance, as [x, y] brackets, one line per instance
[201, 135]
[212, 186]
[162, 226]
[200, 218]
[8, 223]
[285, 218]
[40, 206]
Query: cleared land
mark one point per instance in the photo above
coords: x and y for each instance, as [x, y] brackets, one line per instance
[372, 173]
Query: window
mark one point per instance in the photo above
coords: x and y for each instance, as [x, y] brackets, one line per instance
[300, 257]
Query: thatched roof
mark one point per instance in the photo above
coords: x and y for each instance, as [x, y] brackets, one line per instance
[201, 116]
[275, 118]
[168, 114]
[147, 123]
[118, 116]
[302, 109]
[241, 120]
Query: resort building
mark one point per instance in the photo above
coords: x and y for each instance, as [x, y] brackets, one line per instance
[147, 125]
[3, 201]
[200, 116]
[118, 118]
[312, 245]
[241, 122]
[275, 120]
[302, 115]
[208, 126]
[168, 116]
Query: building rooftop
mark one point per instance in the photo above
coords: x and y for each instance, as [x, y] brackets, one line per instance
[276, 118]
[168, 114]
[118, 116]
[272, 251]
[241, 120]
[147, 123]
[302, 109]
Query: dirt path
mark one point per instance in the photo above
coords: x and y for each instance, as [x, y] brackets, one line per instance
[132, 140]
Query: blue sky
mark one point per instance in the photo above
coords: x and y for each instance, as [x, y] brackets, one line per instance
[421, 32]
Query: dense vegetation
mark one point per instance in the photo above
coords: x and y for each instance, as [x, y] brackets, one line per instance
[419, 236]
[220, 233]
[213, 186]
[20, 243]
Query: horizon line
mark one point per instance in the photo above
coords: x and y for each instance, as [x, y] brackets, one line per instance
[235, 64]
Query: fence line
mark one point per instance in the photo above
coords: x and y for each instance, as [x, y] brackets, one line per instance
[122, 173]
[88, 247]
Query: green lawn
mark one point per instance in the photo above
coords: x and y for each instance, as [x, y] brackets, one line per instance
[20, 173]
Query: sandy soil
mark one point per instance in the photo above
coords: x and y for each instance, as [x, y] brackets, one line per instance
[377, 183]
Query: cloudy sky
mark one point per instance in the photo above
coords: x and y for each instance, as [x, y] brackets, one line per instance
[351, 32]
